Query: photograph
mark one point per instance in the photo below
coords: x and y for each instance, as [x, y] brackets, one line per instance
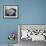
[32, 32]
[10, 11]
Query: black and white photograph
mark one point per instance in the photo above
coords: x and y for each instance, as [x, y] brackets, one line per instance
[10, 11]
[33, 32]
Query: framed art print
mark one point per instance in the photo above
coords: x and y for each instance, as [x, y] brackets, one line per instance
[10, 11]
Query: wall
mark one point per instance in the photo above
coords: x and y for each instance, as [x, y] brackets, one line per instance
[30, 12]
